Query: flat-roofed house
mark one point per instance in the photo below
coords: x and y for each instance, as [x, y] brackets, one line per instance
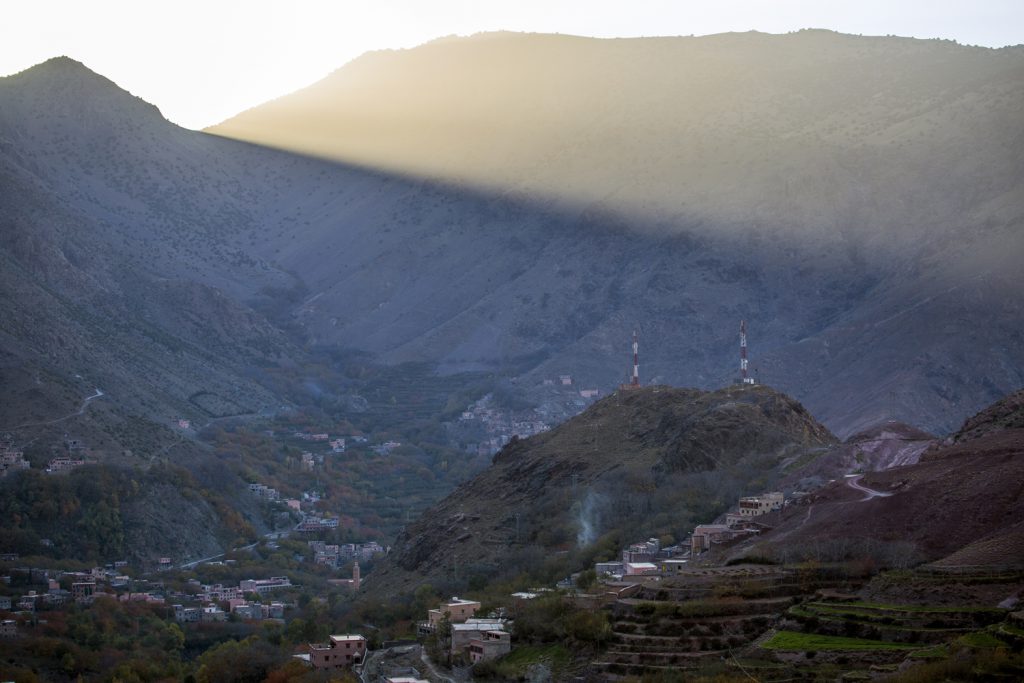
[339, 652]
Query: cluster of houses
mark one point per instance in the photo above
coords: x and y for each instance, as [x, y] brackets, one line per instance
[337, 444]
[249, 611]
[567, 381]
[739, 524]
[214, 597]
[314, 523]
[644, 559]
[57, 588]
[66, 463]
[478, 639]
[309, 523]
[649, 558]
[335, 555]
[11, 459]
[265, 492]
[53, 589]
[499, 425]
[77, 456]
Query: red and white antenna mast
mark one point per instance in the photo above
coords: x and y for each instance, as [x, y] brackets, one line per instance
[636, 361]
[744, 378]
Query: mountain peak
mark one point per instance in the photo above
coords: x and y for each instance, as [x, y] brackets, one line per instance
[61, 67]
[61, 85]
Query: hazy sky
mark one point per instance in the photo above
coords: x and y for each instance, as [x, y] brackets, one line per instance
[201, 61]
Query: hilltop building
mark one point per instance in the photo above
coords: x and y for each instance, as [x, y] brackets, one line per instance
[754, 506]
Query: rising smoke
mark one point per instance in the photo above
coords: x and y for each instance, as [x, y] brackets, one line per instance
[588, 518]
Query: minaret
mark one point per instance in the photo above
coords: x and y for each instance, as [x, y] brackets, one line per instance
[355, 576]
[744, 379]
[636, 361]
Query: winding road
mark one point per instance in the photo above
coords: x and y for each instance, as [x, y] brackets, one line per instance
[270, 536]
[854, 483]
[85, 404]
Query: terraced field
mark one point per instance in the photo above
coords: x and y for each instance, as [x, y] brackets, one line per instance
[703, 619]
[775, 624]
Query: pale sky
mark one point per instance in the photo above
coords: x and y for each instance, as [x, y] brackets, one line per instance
[202, 61]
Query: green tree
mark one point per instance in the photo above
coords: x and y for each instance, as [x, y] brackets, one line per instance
[245, 661]
[586, 579]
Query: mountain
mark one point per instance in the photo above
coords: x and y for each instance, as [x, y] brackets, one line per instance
[150, 273]
[653, 460]
[856, 199]
[960, 505]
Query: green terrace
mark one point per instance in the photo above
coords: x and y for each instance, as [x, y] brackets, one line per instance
[816, 642]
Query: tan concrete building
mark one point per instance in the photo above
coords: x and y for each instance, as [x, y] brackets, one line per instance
[706, 534]
[754, 506]
[457, 610]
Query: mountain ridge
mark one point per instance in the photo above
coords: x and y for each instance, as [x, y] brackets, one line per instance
[838, 172]
[185, 274]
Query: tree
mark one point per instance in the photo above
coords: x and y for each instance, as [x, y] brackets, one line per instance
[586, 579]
[239, 661]
[444, 637]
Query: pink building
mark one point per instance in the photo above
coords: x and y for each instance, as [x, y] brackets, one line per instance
[338, 653]
[491, 645]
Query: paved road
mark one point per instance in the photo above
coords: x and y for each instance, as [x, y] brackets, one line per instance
[854, 483]
[271, 536]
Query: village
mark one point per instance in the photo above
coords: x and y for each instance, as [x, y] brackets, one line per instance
[649, 558]
[460, 636]
[485, 427]
[455, 630]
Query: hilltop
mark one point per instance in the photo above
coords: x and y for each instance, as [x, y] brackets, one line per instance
[654, 460]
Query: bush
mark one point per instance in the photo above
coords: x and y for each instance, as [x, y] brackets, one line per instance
[588, 627]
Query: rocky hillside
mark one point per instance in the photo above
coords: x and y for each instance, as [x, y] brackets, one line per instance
[1006, 414]
[856, 199]
[864, 228]
[650, 461]
[887, 445]
[961, 504]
